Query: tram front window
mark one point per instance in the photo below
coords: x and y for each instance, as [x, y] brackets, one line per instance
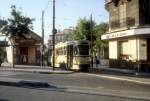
[81, 50]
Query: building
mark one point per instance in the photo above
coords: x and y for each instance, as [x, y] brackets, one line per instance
[61, 36]
[129, 34]
[24, 50]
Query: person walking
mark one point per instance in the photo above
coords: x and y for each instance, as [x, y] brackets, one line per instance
[97, 61]
[24, 59]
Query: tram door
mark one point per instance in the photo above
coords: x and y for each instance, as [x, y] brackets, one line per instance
[69, 56]
[24, 55]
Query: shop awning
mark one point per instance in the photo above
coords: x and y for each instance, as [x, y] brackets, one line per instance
[126, 33]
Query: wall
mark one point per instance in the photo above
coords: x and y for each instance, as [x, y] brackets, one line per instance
[113, 49]
[142, 49]
[9, 54]
[138, 49]
[31, 55]
[130, 20]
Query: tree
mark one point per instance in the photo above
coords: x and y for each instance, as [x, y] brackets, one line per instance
[15, 26]
[83, 30]
[101, 45]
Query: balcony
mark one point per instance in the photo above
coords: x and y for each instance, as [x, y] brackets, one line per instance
[126, 22]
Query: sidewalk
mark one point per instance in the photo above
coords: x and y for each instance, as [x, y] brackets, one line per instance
[35, 69]
[107, 69]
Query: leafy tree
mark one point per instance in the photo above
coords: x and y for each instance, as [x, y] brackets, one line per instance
[16, 26]
[101, 45]
[83, 30]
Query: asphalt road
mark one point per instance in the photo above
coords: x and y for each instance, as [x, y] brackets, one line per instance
[32, 94]
[73, 87]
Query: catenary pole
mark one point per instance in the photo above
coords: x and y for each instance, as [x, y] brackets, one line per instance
[91, 28]
[42, 38]
[54, 32]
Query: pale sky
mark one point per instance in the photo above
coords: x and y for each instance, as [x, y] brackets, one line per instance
[67, 12]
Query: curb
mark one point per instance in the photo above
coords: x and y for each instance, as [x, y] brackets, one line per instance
[121, 79]
[38, 71]
[121, 71]
[112, 70]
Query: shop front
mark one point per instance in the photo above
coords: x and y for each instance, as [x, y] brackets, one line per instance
[129, 49]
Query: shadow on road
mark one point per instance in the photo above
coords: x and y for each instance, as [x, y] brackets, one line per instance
[3, 99]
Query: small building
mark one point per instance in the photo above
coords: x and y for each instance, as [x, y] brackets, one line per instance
[129, 34]
[24, 50]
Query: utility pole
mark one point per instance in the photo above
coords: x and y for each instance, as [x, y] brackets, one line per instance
[42, 38]
[91, 28]
[54, 32]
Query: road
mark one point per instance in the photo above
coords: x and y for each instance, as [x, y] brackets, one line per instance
[73, 87]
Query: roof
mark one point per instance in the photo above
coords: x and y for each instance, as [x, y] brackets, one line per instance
[33, 35]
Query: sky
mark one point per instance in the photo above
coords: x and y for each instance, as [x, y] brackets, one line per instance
[68, 12]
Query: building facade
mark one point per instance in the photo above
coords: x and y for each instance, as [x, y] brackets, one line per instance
[129, 34]
[24, 50]
[61, 36]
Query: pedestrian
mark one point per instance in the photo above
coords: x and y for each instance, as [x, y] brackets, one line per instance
[97, 61]
[24, 59]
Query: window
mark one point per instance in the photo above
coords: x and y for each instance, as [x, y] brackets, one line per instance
[81, 50]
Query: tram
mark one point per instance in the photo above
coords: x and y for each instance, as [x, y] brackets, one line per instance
[72, 55]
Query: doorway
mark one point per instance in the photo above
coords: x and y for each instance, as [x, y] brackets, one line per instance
[23, 55]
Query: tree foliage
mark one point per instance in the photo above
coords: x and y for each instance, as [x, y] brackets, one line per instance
[101, 29]
[101, 46]
[83, 30]
[17, 25]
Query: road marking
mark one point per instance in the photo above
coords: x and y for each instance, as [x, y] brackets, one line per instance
[122, 79]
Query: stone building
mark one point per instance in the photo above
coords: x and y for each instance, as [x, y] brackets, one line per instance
[129, 34]
[24, 50]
